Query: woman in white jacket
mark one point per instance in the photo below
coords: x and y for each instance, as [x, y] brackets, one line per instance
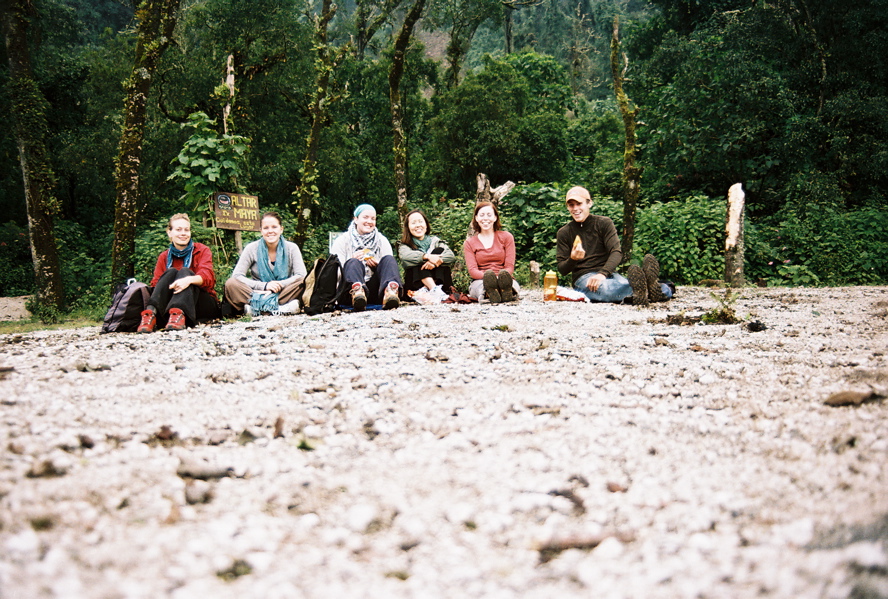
[368, 264]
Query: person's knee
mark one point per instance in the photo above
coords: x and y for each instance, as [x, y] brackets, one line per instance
[168, 274]
[233, 284]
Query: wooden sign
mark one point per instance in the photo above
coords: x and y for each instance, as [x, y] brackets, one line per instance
[236, 211]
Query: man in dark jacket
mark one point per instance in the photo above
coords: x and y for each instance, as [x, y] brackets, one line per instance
[589, 250]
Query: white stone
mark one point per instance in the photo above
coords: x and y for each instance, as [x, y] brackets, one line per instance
[360, 516]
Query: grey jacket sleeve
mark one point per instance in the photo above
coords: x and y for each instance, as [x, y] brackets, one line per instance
[385, 248]
[409, 257]
[244, 269]
[341, 247]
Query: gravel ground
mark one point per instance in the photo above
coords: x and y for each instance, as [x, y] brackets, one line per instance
[520, 450]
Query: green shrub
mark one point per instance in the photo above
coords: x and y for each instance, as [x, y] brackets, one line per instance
[820, 246]
[85, 258]
[17, 274]
[686, 236]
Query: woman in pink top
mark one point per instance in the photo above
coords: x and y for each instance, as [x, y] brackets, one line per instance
[490, 257]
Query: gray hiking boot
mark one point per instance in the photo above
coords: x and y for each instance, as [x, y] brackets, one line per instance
[651, 269]
[638, 282]
[504, 279]
[358, 297]
[491, 287]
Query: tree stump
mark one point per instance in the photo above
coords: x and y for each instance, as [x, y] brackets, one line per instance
[734, 237]
[534, 274]
[484, 193]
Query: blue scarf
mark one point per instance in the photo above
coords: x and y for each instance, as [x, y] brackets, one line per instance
[264, 302]
[423, 244]
[185, 253]
[281, 269]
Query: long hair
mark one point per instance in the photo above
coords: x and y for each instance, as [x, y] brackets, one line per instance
[406, 235]
[476, 227]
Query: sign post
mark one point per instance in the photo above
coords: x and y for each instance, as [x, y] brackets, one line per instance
[238, 212]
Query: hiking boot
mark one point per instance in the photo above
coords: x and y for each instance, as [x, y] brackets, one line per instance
[149, 321]
[291, 307]
[638, 282]
[651, 269]
[176, 321]
[491, 287]
[390, 298]
[504, 279]
[359, 298]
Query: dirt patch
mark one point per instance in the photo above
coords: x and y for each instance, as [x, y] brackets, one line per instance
[13, 308]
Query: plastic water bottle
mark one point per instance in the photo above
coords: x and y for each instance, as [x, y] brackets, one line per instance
[550, 286]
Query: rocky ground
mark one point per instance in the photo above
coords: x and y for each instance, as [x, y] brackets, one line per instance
[523, 450]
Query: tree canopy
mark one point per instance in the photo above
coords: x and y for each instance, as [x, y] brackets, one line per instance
[787, 97]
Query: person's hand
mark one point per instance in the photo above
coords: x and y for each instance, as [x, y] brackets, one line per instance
[427, 266]
[578, 253]
[595, 281]
[274, 286]
[180, 285]
[434, 259]
[371, 262]
[359, 255]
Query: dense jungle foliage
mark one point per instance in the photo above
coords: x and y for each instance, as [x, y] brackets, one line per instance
[788, 97]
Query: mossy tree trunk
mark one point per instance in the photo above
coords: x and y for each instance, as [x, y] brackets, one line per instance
[396, 72]
[326, 61]
[157, 19]
[370, 15]
[631, 173]
[31, 130]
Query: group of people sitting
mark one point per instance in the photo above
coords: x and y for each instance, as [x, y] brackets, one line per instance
[270, 272]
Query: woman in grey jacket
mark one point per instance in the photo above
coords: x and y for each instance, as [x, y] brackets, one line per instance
[426, 259]
[269, 274]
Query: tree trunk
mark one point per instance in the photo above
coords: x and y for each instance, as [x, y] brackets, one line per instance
[307, 191]
[29, 108]
[396, 72]
[484, 193]
[370, 15]
[735, 244]
[157, 19]
[631, 173]
[507, 29]
[460, 41]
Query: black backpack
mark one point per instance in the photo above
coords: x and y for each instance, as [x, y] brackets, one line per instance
[127, 303]
[324, 286]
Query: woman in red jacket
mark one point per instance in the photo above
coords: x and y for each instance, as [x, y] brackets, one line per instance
[184, 282]
[490, 257]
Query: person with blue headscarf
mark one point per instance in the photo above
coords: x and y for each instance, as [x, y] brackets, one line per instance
[183, 286]
[270, 273]
[368, 264]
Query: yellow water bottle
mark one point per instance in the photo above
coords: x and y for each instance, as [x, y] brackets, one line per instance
[550, 286]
